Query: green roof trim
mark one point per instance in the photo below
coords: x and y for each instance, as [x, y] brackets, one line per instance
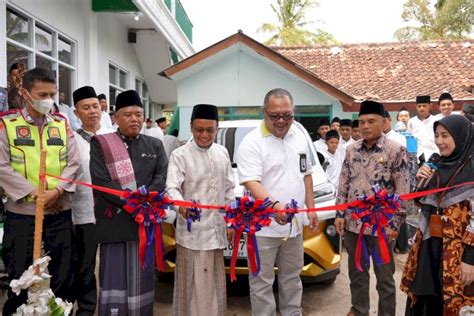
[174, 124]
[113, 6]
[174, 56]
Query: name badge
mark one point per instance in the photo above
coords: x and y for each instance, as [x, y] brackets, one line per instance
[303, 163]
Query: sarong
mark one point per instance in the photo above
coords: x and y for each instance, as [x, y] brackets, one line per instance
[125, 288]
[200, 284]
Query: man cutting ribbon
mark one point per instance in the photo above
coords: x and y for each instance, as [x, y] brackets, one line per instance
[372, 160]
[124, 160]
[200, 171]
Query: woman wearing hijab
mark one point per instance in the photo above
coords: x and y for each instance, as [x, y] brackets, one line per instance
[439, 272]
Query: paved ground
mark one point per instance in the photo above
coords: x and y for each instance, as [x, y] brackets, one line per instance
[318, 300]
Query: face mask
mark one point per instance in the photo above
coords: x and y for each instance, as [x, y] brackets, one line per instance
[42, 106]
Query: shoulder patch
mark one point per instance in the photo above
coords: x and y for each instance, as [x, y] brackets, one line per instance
[58, 116]
[10, 114]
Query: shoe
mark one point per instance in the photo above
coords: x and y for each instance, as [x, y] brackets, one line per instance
[353, 313]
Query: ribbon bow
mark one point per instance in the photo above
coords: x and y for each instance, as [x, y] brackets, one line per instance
[148, 210]
[194, 214]
[246, 215]
[375, 212]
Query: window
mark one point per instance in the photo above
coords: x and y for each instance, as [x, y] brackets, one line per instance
[118, 82]
[35, 44]
[142, 89]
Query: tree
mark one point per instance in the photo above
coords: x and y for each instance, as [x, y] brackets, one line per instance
[292, 29]
[446, 19]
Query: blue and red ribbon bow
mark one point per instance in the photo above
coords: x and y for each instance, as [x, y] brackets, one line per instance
[247, 215]
[194, 214]
[375, 212]
[148, 210]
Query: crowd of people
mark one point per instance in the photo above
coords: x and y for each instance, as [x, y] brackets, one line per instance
[127, 151]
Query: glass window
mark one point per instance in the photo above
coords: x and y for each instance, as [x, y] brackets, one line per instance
[123, 79]
[65, 82]
[16, 54]
[138, 86]
[112, 70]
[44, 40]
[64, 50]
[44, 63]
[113, 92]
[17, 27]
[145, 91]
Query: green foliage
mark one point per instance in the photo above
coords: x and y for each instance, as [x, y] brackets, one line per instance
[447, 19]
[292, 29]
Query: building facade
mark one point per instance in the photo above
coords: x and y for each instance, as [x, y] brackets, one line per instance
[112, 45]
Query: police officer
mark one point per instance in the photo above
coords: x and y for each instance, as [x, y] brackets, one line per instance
[23, 134]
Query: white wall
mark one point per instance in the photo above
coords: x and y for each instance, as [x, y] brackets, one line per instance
[242, 78]
[113, 47]
[99, 38]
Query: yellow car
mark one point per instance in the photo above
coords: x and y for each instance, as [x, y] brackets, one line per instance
[322, 259]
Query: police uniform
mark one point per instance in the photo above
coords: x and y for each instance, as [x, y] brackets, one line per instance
[21, 140]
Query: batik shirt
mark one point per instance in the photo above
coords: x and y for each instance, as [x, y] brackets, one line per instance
[385, 163]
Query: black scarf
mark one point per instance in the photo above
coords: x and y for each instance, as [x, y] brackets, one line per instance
[460, 162]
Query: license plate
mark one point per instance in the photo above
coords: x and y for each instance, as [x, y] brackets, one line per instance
[242, 252]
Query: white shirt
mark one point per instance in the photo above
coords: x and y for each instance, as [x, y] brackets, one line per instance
[170, 143]
[277, 164]
[346, 143]
[206, 176]
[334, 166]
[83, 199]
[68, 112]
[422, 130]
[396, 137]
[105, 120]
[153, 132]
[321, 146]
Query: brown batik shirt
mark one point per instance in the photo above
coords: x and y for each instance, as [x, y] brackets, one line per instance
[385, 163]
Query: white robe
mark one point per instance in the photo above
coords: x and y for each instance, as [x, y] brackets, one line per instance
[334, 164]
[396, 137]
[321, 146]
[422, 130]
[203, 175]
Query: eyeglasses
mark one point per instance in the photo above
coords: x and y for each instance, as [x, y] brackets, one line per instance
[276, 117]
[200, 130]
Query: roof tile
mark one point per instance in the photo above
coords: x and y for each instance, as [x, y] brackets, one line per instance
[396, 71]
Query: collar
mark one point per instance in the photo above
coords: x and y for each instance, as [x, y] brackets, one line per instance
[85, 134]
[266, 132]
[429, 114]
[126, 137]
[200, 148]
[363, 144]
[24, 112]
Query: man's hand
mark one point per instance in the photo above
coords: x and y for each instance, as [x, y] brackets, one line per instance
[56, 208]
[467, 273]
[391, 234]
[230, 235]
[313, 222]
[184, 212]
[339, 224]
[50, 198]
[280, 217]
